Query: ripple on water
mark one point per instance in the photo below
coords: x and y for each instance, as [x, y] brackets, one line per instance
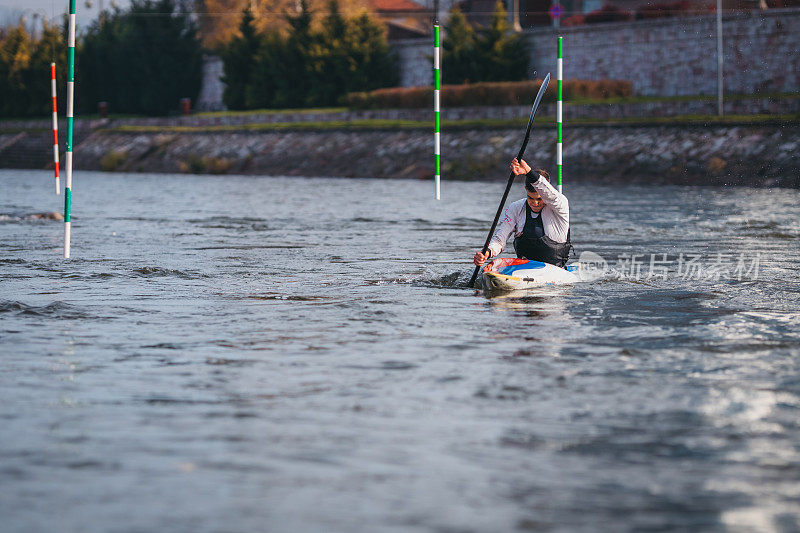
[59, 310]
[385, 365]
[453, 280]
[292, 297]
[221, 361]
[165, 346]
[52, 216]
[251, 247]
[154, 272]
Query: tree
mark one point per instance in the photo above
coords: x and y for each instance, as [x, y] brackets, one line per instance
[351, 54]
[494, 53]
[15, 58]
[458, 50]
[238, 63]
[293, 80]
[376, 63]
[218, 18]
[217, 21]
[25, 67]
[141, 61]
[329, 63]
[316, 63]
[501, 52]
[266, 86]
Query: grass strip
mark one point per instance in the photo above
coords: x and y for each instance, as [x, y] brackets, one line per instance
[546, 122]
[683, 98]
[308, 111]
[572, 101]
[332, 110]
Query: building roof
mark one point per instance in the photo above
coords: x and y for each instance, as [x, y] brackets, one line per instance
[397, 6]
[405, 29]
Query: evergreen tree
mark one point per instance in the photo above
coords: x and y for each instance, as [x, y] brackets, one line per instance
[494, 53]
[15, 58]
[500, 52]
[349, 55]
[24, 69]
[293, 69]
[330, 66]
[376, 64]
[99, 50]
[239, 59]
[48, 48]
[263, 90]
[141, 61]
[309, 67]
[458, 50]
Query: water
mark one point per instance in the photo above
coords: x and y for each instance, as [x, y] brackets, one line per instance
[286, 354]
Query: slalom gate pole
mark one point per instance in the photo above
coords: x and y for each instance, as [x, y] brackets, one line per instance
[436, 101]
[55, 124]
[559, 116]
[70, 109]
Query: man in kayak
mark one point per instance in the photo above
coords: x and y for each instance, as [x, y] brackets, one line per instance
[540, 222]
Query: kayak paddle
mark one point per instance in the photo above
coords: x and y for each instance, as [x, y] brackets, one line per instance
[511, 176]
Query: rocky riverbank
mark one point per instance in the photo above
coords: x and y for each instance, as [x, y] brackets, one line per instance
[718, 155]
[753, 155]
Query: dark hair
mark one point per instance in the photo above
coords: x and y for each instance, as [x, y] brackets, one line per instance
[533, 176]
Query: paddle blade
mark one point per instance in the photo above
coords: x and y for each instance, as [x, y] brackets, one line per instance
[535, 106]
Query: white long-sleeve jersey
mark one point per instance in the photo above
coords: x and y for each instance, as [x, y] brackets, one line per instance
[555, 217]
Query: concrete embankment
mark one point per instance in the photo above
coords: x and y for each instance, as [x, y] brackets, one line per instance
[755, 154]
[718, 155]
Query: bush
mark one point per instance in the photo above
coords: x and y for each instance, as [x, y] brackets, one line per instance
[668, 9]
[487, 94]
[205, 165]
[395, 97]
[578, 19]
[113, 160]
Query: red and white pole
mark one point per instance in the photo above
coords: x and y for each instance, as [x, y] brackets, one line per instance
[55, 123]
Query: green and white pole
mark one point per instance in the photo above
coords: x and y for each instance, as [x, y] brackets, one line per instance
[70, 108]
[436, 123]
[559, 117]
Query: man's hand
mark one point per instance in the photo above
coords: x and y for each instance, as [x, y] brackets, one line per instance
[519, 168]
[480, 258]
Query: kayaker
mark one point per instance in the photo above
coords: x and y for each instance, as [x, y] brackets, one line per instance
[540, 222]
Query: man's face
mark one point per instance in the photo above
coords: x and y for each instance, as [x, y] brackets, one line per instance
[535, 201]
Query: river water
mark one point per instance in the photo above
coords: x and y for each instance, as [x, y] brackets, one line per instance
[290, 355]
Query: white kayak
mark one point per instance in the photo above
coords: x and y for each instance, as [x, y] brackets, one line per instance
[512, 274]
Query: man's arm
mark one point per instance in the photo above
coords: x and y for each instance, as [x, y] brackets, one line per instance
[504, 230]
[557, 201]
[501, 234]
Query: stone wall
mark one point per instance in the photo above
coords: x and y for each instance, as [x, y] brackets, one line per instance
[666, 57]
[755, 155]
